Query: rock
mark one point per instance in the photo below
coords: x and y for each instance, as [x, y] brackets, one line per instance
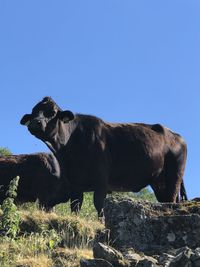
[146, 263]
[95, 263]
[151, 227]
[196, 199]
[165, 259]
[138, 259]
[109, 254]
[133, 257]
[144, 234]
[195, 258]
[181, 258]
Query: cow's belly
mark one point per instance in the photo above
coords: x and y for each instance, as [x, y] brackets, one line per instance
[133, 178]
[122, 184]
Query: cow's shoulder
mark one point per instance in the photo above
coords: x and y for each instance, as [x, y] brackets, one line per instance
[88, 124]
[89, 120]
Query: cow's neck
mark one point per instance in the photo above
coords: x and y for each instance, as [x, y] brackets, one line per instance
[61, 138]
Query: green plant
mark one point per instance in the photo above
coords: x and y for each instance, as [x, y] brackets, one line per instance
[9, 225]
[5, 151]
[145, 194]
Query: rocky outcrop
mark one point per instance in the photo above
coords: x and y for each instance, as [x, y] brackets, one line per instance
[152, 227]
[149, 234]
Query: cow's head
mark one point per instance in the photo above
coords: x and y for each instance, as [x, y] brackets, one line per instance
[47, 120]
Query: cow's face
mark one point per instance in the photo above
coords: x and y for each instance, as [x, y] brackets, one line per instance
[45, 119]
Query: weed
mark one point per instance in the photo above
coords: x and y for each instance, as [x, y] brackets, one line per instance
[9, 225]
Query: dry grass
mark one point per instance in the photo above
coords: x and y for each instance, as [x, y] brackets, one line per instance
[37, 261]
[72, 230]
[32, 252]
[70, 257]
[49, 239]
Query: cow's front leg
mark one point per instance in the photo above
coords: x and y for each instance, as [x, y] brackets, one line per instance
[76, 200]
[99, 197]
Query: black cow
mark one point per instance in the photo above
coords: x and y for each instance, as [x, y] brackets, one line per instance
[98, 156]
[39, 178]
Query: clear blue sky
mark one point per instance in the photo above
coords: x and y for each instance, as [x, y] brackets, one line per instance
[124, 61]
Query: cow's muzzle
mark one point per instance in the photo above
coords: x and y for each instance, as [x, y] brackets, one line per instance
[36, 126]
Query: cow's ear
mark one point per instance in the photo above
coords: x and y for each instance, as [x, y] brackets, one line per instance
[66, 116]
[26, 119]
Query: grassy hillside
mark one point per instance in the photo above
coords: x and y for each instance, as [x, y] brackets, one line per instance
[50, 239]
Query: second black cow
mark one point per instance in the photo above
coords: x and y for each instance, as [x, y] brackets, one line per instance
[98, 156]
[39, 178]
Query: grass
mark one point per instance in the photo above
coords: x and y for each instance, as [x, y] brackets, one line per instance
[51, 239]
[34, 250]
[88, 210]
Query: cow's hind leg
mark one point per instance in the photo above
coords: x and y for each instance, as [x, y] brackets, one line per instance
[174, 174]
[159, 187]
[168, 184]
[166, 189]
